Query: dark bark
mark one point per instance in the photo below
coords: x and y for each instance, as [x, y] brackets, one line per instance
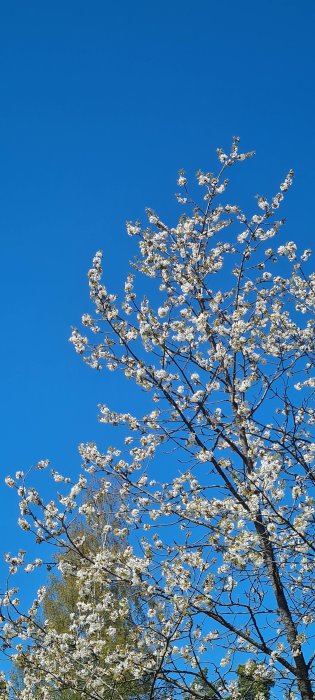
[301, 667]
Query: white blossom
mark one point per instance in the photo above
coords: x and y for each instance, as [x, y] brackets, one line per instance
[210, 530]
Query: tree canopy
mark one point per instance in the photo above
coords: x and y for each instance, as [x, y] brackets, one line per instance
[215, 477]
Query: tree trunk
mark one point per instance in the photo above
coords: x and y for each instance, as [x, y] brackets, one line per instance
[302, 671]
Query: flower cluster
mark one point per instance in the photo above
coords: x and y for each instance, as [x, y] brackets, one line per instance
[214, 484]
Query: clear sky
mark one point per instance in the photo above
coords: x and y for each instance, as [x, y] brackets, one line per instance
[101, 104]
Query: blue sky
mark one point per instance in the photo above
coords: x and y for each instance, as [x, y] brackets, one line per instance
[101, 104]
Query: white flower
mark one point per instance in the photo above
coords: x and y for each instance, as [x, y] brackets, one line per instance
[205, 456]
[182, 181]
[29, 567]
[162, 311]
[132, 229]
[23, 524]
[42, 464]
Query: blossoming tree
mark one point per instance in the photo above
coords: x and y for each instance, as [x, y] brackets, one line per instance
[216, 479]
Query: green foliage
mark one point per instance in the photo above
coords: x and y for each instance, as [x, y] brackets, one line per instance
[3, 691]
[250, 685]
[61, 601]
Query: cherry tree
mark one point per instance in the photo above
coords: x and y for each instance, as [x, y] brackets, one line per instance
[215, 479]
